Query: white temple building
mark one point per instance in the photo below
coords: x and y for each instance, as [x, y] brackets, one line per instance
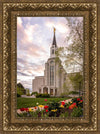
[54, 75]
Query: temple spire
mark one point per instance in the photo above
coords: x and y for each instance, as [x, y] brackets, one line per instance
[54, 38]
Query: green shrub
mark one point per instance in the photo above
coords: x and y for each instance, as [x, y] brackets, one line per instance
[45, 95]
[65, 114]
[54, 106]
[34, 93]
[78, 103]
[28, 95]
[38, 95]
[42, 95]
[73, 92]
[77, 112]
[18, 95]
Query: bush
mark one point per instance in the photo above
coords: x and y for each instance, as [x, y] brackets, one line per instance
[18, 95]
[38, 95]
[73, 92]
[65, 114]
[78, 102]
[34, 93]
[45, 96]
[42, 95]
[54, 106]
[28, 95]
[77, 112]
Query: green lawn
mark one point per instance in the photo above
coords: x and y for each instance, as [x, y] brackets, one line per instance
[31, 102]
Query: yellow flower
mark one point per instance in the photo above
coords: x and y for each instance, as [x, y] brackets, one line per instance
[30, 109]
[62, 106]
[54, 110]
[71, 102]
[41, 106]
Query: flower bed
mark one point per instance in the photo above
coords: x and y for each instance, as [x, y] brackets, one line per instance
[74, 108]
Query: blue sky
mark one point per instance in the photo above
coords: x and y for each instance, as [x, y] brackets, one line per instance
[34, 38]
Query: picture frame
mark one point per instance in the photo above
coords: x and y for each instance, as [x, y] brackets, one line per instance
[10, 12]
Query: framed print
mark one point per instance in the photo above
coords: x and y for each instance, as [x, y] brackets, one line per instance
[49, 66]
[56, 88]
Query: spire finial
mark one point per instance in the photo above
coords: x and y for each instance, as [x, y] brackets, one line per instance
[54, 38]
[54, 29]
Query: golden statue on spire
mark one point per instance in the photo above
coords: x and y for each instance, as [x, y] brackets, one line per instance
[54, 29]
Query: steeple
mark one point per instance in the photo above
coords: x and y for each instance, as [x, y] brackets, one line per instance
[53, 48]
[54, 38]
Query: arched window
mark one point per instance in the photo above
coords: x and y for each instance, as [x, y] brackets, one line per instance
[52, 51]
[51, 75]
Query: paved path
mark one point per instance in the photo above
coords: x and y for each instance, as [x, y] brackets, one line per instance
[25, 96]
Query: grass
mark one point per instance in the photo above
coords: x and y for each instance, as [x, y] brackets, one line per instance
[31, 102]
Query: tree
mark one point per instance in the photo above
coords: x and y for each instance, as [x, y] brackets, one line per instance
[20, 89]
[65, 89]
[72, 54]
[28, 92]
[20, 85]
[77, 81]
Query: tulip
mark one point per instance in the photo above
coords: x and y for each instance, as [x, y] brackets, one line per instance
[45, 107]
[41, 106]
[78, 99]
[63, 103]
[46, 110]
[26, 109]
[22, 109]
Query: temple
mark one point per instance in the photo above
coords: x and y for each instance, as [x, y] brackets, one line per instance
[54, 77]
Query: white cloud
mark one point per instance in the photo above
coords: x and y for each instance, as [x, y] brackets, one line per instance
[34, 38]
[19, 22]
[30, 31]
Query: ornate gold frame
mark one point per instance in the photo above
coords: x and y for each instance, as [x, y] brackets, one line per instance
[53, 8]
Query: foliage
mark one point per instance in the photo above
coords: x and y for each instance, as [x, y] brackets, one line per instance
[72, 54]
[31, 102]
[65, 114]
[54, 109]
[77, 112]
[28, 92]
[20, 89]
[78, 101]
[64, 94]
[73, 92]
[20, 85]
[77, 81]
[65, 87]
[18, 95]
[39, 95]
[34, 93]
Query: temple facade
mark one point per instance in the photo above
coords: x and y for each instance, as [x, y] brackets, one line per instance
[54, 75]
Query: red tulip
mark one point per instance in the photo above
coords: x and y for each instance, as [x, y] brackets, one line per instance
[74, 104]
[26, 109]
[63, 103]
[45, 107]
[78, 99]
[22, 109]
[46, 110]
[45, 100]
[35, 107]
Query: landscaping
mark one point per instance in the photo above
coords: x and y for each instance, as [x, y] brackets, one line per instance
[50, 107]
[31, 102]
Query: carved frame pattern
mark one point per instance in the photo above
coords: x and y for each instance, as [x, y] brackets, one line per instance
[10, 12]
